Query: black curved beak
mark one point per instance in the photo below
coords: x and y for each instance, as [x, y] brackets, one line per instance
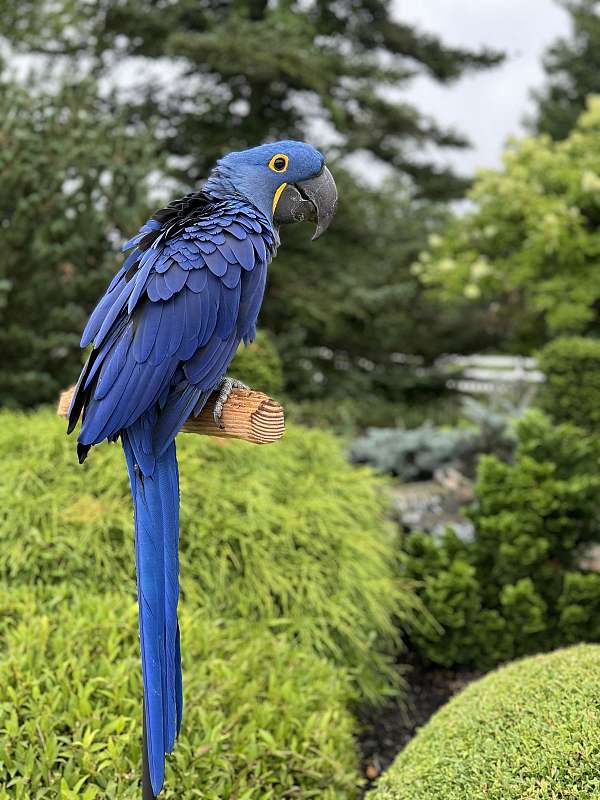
[313, 200]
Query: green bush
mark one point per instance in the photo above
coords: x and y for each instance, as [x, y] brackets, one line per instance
[579, 606]
[288, 534]
[259, 366]
[347, 415]
[417, 453]
[414, 454]
[528, 730]
[571, 392]
[527, 249]
[264, 719]
[517, 587]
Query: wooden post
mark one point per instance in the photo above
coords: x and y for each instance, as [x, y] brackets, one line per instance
[252, 416]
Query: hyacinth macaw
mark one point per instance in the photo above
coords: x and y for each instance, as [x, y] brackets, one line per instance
[163, 336]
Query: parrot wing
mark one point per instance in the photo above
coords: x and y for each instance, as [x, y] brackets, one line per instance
[171, 320]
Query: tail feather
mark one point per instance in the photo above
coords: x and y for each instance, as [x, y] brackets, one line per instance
[156, 505]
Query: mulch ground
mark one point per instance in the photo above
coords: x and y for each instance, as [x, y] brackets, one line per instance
[387, 730]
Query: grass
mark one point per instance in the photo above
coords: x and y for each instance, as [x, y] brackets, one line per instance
[527, 731]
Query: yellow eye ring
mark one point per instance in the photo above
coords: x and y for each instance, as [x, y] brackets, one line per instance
[279, 162]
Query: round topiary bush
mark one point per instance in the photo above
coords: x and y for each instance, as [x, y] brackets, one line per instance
[288, 534]
[528, 731]
[263, 718]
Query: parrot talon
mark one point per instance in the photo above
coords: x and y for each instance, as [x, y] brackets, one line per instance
[225, 387]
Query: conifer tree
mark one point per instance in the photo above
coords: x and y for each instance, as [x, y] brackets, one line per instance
[237, 73]
[243, 71]
[73, 183]
[572, 65]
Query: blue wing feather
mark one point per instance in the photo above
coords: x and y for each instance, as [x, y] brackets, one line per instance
[216, 262]
[231, 278]
[175, 277]
[229, 304]
[243, 251]
[227, 252]
[196, 280]
[145, 335]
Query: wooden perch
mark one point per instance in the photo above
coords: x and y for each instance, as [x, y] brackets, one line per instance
[252, 416]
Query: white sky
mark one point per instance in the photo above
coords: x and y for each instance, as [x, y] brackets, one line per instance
[488, 106]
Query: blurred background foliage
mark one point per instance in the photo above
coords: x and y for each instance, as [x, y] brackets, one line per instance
[338, 315]
[530, 246]
[73, 182]
[129, 104]
[572, 67]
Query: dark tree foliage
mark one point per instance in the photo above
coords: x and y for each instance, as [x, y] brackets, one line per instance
[72, 183]
[249, 70]
[238, 73]
[572, 65]
[344, 306]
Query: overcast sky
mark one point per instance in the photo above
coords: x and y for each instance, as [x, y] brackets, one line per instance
[487, 106]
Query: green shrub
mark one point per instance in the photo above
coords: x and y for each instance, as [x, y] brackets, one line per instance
[264, 718]
[528, 730]
[417, 453]
[288, 534]
[571, 392]
[259, 366]
[414, 454]
[579, 606]
[527, 250]
[517, 588]
[348, 415]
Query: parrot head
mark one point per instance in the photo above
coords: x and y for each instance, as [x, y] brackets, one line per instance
[288, 181]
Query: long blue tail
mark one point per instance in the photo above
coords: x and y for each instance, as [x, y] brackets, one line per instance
[156, 506]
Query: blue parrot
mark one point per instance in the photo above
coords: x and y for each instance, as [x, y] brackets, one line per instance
[163, 336]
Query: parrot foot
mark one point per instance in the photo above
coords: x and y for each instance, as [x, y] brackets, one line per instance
[225, 387]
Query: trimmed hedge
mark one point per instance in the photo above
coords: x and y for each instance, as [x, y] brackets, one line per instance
[264, 718]
[571, 392]
[528, 730]
[289, 535]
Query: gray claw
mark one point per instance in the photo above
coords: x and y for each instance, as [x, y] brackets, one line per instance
[225, 388]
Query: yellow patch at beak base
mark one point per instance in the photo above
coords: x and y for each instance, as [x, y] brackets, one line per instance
[278, 195]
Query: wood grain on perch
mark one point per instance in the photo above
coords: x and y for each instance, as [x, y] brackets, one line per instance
[251, 416]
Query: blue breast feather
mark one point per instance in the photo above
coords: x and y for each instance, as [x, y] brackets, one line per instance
[171, 320]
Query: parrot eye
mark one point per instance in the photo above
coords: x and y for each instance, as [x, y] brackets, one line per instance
[279, 163]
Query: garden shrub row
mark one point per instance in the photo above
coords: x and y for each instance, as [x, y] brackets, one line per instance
[528, 730]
